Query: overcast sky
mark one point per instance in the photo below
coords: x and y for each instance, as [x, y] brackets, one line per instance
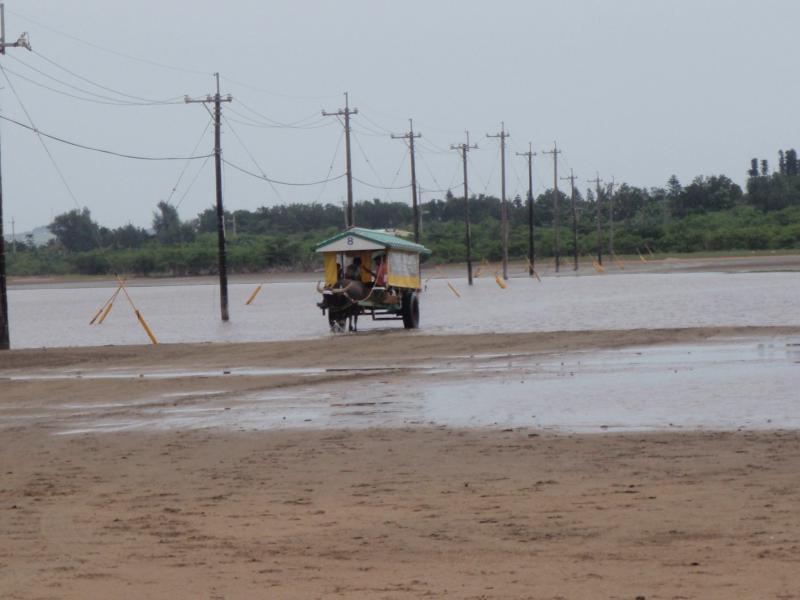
[634, 89]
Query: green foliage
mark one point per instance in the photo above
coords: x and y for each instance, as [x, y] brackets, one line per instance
[710, 214]
[75, 230]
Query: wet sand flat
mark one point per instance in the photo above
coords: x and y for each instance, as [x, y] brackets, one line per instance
[223, 511]
[403, 513]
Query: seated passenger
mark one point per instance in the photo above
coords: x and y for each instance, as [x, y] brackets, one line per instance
[380, 271]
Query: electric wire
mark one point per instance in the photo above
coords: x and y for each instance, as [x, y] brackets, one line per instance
[251, 122]
[330, 168]
[110, 51]
[430, 171]
[374, 124]
[253, 159]
[186, 165]
[101, 86]
[312, 119]
[372, 168]
[277, 94]
[107, 101]
[277, 181]
[382, 187]
[191, 184]
[41, 133]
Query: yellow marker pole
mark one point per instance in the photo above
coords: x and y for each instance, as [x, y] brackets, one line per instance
[641, 258]
[535, 274]
[455, 291]
[102, 308]
[108, 308]
[253, 295]
[447, 281]
[146, 328]
[139, 316]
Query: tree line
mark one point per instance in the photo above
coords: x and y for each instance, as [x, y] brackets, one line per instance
[711, 213]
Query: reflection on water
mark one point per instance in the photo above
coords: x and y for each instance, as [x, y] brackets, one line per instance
[721, 386]
[190, 313]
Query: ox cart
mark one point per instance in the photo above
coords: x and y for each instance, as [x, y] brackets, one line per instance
[370, 272]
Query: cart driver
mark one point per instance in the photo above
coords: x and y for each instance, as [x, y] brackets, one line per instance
[353, 270]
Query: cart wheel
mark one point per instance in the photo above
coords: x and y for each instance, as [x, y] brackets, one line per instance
[410, 310]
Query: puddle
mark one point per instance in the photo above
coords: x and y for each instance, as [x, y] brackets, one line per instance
[155, 374]
[720, 386]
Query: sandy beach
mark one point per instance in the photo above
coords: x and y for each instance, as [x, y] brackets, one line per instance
[402, 512]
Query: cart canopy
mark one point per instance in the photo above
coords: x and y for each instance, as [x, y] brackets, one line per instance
[402, 255]
[357, 239]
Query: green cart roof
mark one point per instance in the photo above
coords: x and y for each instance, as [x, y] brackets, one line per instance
[380, 238]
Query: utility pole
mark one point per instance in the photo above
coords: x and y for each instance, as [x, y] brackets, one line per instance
[414, 207]
[217, 101]
[418, 222]
[5, 343]
[345, 112]
[611, 252]
[556, 246]
[530, 154]
[598, 205]
[571, 179]
[463, 149]
[503, 204]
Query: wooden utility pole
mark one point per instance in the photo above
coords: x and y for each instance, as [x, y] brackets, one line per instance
[503, 204]
[530, 154]
[418, 222]
[414, 207]
[571, 179]
[345, 112]
[463, 149]
[598, 206]
[5, 336]
[217, 101]
[611, 252]
[556, 245]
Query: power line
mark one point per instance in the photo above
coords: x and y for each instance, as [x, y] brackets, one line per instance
[330, 167]
[191, 184]
[279, 182]
[99, 85]
[110, 51]
[39, 132]
[309, 122]
[186, 165]
[253, 158]
[39, 136]
[278, 94]
[103, 99]
[382, 187]
[372, 168]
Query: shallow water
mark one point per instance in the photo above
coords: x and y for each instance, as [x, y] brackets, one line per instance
[190, 313]
[746, 383]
